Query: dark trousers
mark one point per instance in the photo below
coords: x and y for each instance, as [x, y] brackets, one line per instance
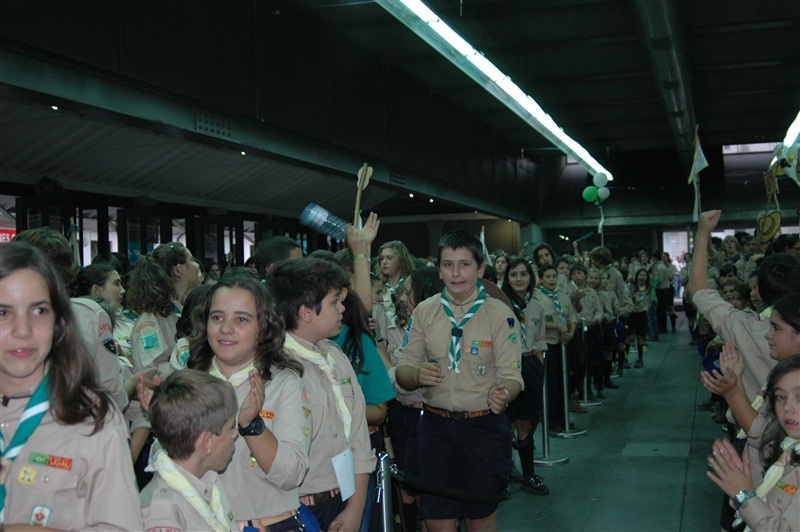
[665, 298]
[555, 386]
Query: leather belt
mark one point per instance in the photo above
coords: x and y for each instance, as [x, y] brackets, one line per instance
[456, 415]
[268, 521]
[319, 498]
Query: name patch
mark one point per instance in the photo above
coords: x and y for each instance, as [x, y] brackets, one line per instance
[104, 327]
[145, 324]
[58, 462]
[788, 488]
[266, 414]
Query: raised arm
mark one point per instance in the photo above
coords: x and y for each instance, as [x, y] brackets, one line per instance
[698, 275]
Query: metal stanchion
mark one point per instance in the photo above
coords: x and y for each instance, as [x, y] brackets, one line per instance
[586, 365]
[383, 488]
[546, 460]
[567, 433]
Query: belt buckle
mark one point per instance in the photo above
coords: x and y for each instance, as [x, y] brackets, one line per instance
[322, 498]
[459, 415]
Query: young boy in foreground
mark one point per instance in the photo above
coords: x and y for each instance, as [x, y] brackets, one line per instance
[193, 416]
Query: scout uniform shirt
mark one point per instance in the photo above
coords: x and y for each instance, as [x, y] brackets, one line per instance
[615, 283]
[641, 298]
[745, 330]
[153, 338]
[591, 307]
[552, 336]
[285, 412]
[397, 337]
[328, 435]
[67, 478]
[534, 325]
[94, 326]
[166, 510]
[491, 351]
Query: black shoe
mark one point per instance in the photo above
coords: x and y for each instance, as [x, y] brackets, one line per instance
[639, 364]
[626, 365]
[535, 484]
[610, 384]
[601, 394]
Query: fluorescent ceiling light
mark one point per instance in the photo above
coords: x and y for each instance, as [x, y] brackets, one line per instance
[793, 132]
[429, 27]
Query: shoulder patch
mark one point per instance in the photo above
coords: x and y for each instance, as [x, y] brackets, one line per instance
[150, 342]
[145, 324]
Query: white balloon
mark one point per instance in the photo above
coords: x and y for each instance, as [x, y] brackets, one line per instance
[603, 193]
[600, 179]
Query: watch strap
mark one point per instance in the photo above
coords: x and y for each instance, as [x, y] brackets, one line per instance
[255, 427]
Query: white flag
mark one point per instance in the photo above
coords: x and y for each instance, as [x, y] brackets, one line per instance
[699, 162]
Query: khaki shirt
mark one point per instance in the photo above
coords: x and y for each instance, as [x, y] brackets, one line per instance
[666, 275]
[398, 338]
[534, 326]
[491, 351]
[640, 298]
[70, 479]
[616, 283]
[327, 438]
[781, 508]
[95, 328]
[551, 314]
[166, 510]
[152, 340]
[745, 330]
[257, 495]
[591, 306]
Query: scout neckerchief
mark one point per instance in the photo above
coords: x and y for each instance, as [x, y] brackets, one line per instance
[392, 289]
[164, 467]
[458, 328]
[789, 446]
[521, 314]
[327, 365]
[237, 377]
[34, 411]
[407, 331]
[554, 296]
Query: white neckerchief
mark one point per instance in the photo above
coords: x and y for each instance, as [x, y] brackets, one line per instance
[327, 365]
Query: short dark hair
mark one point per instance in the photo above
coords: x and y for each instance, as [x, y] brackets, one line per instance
[543, 268]
[602, 255]
[188, 403]
[271, 250]
[578, 267]
[462, 239]
[778, 274]
[728, 269]
[788, 307]
[306, 282]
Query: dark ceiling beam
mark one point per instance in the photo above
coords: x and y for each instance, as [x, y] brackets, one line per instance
[666, 44]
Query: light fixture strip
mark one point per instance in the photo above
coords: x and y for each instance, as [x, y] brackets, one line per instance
[430, 28]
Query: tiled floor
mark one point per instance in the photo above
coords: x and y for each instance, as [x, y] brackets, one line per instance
[642, 464]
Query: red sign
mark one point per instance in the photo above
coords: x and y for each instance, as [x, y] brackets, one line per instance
[6, 235]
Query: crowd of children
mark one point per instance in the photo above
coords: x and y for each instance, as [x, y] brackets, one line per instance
[259, 399]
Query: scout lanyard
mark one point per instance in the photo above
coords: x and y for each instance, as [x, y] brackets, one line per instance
[34, 411]
[326, 365]
[554, 296]
[164, 467]
[521, 314]
[458, 328]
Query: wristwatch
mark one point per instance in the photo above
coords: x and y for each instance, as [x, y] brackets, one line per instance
[741, 498]
[255, 427]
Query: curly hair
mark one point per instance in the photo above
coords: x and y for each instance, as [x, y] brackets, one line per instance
[152, 287]
[271, 329]
[75, 394]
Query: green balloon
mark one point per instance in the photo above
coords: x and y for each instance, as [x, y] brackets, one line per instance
[590, 193]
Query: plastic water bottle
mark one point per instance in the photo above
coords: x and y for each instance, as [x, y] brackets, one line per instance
[319, 219]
